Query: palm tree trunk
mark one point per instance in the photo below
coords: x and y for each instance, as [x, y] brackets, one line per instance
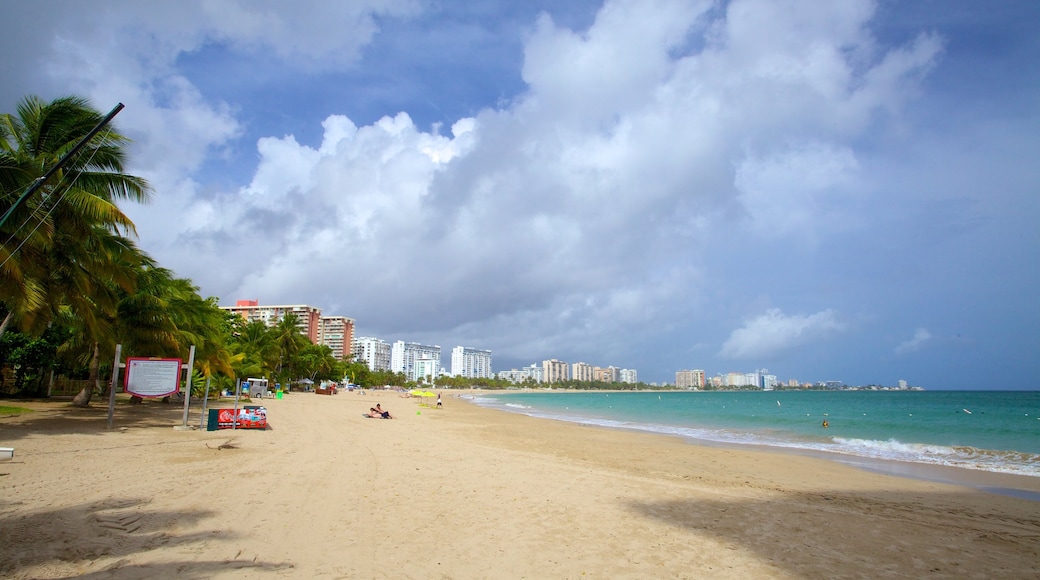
[82, 399]
[6, 322]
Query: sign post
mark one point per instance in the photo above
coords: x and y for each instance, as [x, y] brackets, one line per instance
[115, 381]
[187, 386]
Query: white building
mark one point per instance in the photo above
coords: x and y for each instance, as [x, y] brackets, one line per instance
[375, 352]
[628, 376]
[427, 369]
[404, 355]
[533, 372]
[471, 363]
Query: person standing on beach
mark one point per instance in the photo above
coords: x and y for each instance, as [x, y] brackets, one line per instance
[438, 400]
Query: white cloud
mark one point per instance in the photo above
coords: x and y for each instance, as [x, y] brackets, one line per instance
[921, 337]
[787, 192]
[773, 333]
[608, 168]
[578, 209]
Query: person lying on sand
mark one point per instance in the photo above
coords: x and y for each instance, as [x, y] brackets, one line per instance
[374, 414]
[382, 413]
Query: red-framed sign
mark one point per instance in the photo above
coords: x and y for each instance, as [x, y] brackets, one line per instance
[152, 377]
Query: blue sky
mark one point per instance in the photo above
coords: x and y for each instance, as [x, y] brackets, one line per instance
[830, 190]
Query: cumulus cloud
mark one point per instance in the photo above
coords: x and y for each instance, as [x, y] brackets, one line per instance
[921, 337]
[129, 52]
[774, 332]
[605, 170]
[568, 213]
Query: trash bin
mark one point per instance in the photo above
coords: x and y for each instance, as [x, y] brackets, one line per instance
[278, 395]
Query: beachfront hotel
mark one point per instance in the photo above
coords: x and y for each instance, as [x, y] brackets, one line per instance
[471, 363]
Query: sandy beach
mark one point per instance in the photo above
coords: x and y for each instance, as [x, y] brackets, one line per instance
[466, 492]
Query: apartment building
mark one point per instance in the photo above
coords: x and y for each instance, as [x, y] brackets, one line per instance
[337, 332]
[555, 371]
[534, 372]
[629, 376]
[374, 352]
[471, 363]
[309, 316]
[404, 357]
[582, 372]
[686, 379]
[605, 375]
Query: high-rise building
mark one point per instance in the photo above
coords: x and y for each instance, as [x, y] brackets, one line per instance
[536, 372]
[628, 376]
[375, 352]
[533, 372]
[337, 332]
[736, 379]
[698, 378]
[471, 363]
[405, 355]
[582, 372]
[427, 369]
[605, 375]
[309, 317]
[685, 379]
[555, 371]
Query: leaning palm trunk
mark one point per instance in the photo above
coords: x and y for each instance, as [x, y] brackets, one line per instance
[82, 399]
[6, 322]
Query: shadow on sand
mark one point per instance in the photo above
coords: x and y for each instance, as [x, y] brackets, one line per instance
[829, 535]
[87, 537]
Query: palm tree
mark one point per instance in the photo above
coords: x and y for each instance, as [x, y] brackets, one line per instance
[290, 342]
[318, 362]
[50, 254]
[66, 250]
[259, 353]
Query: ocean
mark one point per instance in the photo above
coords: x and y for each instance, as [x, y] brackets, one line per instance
[996, 431]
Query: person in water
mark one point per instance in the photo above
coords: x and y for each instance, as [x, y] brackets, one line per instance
[826, 424]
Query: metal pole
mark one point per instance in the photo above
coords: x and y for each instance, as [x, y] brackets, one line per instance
[187, 389]
[238, 391]
[40, 181]
[205, 403]
[115, 382]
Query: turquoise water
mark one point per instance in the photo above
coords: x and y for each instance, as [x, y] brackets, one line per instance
[996, 431]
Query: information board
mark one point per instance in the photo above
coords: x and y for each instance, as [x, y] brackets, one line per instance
[152, 377]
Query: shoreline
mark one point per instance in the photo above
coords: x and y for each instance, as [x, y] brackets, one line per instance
[464, 492]
[997, 482]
